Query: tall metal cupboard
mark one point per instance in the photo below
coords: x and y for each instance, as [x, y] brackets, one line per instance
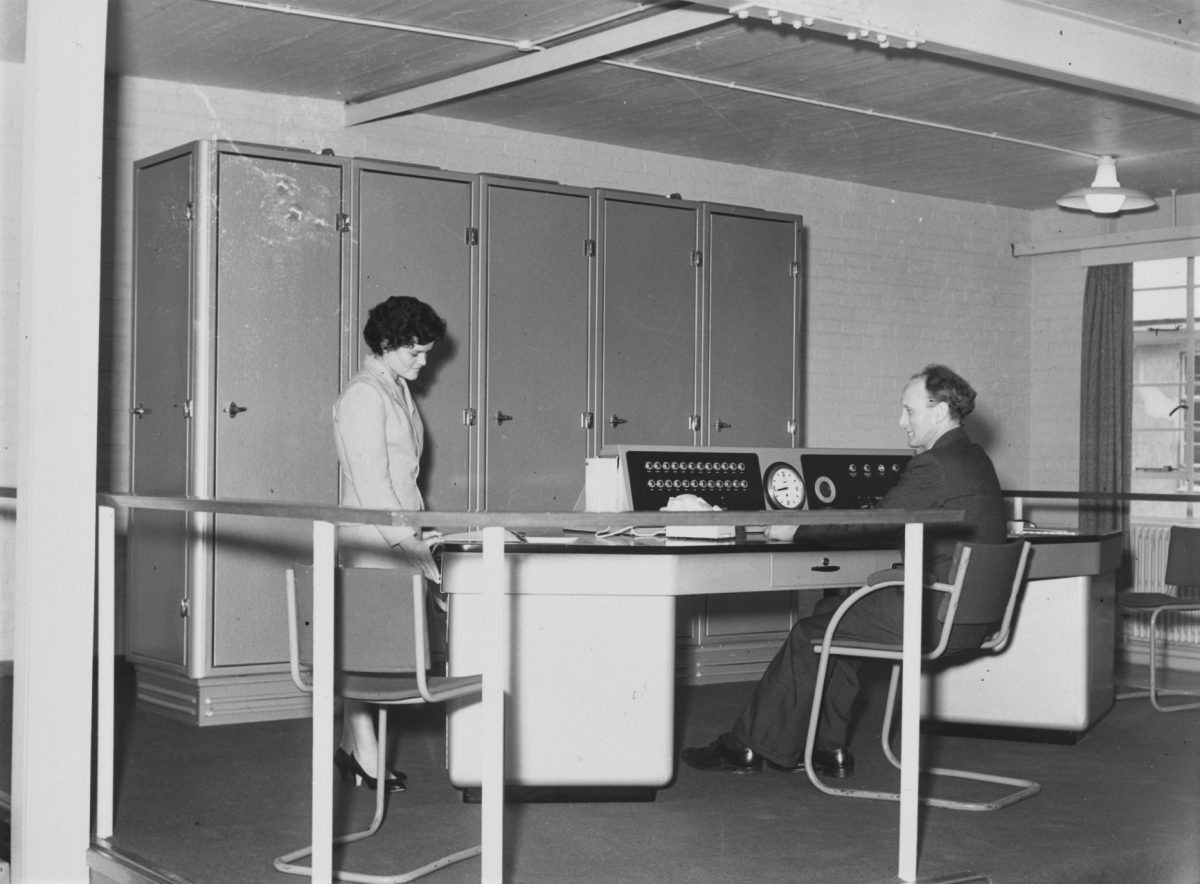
[536, 419]
[415, 232]
[699, 323]
[240, 275]
[649, 283]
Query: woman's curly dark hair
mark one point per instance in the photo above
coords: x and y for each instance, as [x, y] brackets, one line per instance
[401, 321]
[944, 385]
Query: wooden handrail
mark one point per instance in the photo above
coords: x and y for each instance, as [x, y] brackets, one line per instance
[1101, 495]
[458, 519]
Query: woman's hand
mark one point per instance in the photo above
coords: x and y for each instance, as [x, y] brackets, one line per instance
[420, 553]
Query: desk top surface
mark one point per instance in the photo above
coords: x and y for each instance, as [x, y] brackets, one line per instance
[645, 543]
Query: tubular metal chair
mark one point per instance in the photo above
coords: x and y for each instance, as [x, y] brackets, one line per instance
[987, 582]
[381, 649]
[1183, 569]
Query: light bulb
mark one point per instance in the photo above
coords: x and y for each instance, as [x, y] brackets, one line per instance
[1104, 203]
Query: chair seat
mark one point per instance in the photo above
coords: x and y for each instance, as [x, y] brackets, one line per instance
[392, 687]
[1131, 599]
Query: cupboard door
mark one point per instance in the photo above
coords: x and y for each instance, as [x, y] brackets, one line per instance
[753, 328]
[277, 356]
[648, 286]
[535, 312]
[411, 238]
[159, 432]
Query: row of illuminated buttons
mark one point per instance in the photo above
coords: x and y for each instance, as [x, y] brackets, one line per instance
[879, 468]
[698, 484]
[692, 466]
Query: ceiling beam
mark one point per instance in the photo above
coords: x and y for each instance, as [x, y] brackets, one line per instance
[534, 64]
[1083, 50]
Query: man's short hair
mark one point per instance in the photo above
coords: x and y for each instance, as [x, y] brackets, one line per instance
[944, 385]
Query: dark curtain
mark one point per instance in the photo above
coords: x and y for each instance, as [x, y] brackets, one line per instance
[1105, 435]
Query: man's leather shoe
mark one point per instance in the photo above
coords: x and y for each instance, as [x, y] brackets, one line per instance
[837, 763]
[724, 753]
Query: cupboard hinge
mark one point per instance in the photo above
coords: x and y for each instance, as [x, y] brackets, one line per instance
[343, 222]
[184, 609]
[587, 419]
[189, 212]
[589, 248]
[187, 409]
[795, 269]
[697, 258]
[693, 423]
[472, 236]
[468, 417]
[793, 428]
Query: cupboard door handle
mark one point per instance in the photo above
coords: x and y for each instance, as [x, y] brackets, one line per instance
[615, 421]
[501, 417]
[138, 410]
[722, 425]
[233, 409]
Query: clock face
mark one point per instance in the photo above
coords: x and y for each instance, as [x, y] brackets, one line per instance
[784, 487]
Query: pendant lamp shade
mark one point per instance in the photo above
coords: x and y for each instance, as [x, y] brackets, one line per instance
[1105, 196]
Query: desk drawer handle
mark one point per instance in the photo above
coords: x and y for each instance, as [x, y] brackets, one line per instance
[825, 567]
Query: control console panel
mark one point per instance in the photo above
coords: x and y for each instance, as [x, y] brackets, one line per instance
[846, 481]
[632, 477]
[730, 480]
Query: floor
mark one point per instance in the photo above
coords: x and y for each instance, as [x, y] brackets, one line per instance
[1122, 804]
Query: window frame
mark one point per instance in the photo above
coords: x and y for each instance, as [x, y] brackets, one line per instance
[1182, 334]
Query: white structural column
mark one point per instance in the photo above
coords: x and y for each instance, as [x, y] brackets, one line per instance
[910, 704]
[56, 476]
[496, 658]
[324, 564]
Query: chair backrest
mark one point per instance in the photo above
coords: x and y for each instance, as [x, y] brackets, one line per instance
[373, 610]
[989, 588]
[1183, 557]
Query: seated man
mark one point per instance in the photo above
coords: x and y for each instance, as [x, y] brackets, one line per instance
[948, 472]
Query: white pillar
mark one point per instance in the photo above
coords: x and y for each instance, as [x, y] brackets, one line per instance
[62, 124]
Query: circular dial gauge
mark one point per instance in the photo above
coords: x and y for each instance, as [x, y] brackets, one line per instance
[784, 487]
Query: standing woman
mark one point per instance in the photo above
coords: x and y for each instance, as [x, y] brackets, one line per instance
[379, 437]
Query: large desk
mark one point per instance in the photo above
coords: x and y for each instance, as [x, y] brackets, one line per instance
[591, 677]
[592, 674]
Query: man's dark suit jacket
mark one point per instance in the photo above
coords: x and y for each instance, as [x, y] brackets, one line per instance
[954, 473]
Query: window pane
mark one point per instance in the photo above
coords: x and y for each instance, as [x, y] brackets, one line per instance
[1167, 307]
[1164, 272]
[1159, 407]
[1159, 364]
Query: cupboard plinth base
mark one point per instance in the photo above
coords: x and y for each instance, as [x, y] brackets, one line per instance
[222, 699]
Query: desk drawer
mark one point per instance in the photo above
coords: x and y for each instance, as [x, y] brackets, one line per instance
[834, 568]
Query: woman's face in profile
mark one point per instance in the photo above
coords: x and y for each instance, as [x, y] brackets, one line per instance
[407, 362]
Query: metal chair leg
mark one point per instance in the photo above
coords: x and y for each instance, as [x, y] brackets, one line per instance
[287, 862]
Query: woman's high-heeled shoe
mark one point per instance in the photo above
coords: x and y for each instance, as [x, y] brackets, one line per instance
[349, 768]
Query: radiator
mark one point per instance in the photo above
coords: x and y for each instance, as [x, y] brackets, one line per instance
[1149, 552]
